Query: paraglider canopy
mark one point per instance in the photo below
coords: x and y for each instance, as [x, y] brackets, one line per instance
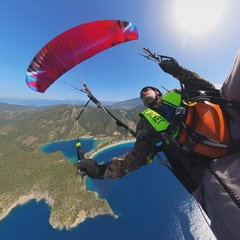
[72, 47]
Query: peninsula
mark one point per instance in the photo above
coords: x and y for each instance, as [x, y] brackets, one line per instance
[27, 173]
[26, 176]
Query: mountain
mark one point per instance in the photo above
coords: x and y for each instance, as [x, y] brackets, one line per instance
[47, 102]
[128, 104]
[35, 102]
[29, 127]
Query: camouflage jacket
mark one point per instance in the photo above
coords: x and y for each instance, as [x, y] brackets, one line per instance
[119, 166]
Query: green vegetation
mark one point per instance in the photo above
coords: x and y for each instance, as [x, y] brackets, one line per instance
[27, 173]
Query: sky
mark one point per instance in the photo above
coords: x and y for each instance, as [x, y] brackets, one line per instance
[202, 35]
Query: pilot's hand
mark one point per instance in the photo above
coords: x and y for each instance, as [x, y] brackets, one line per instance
[90, 168]
[170, 66]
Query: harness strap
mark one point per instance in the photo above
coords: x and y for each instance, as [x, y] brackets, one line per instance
[185, 173]
[224, 102]
[197, 137]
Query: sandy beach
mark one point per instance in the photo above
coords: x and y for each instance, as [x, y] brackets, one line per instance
[111, 144]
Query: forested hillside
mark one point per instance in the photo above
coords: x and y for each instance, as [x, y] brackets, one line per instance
[27, 127]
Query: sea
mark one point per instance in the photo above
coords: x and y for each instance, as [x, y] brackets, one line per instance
[150, 204]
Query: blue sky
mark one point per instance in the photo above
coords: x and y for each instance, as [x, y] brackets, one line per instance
[120, 72]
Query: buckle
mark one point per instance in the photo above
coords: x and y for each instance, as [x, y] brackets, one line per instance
[180, 110]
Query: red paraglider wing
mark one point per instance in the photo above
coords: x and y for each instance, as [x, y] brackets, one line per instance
[73, 47]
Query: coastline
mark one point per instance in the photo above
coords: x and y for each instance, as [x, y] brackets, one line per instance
[100, 149]
[83, 214]
[24, 199]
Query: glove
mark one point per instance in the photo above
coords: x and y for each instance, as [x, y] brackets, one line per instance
[90, 168]
[170, 66]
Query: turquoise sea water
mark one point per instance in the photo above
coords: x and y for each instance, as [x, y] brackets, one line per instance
[146, 201]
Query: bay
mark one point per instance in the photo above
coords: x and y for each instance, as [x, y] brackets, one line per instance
[150, 204]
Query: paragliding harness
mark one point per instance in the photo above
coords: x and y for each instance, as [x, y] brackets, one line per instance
[197, 124]
[182, 147]
[196, 128]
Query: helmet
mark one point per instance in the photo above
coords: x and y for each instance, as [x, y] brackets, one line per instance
[153, 88]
